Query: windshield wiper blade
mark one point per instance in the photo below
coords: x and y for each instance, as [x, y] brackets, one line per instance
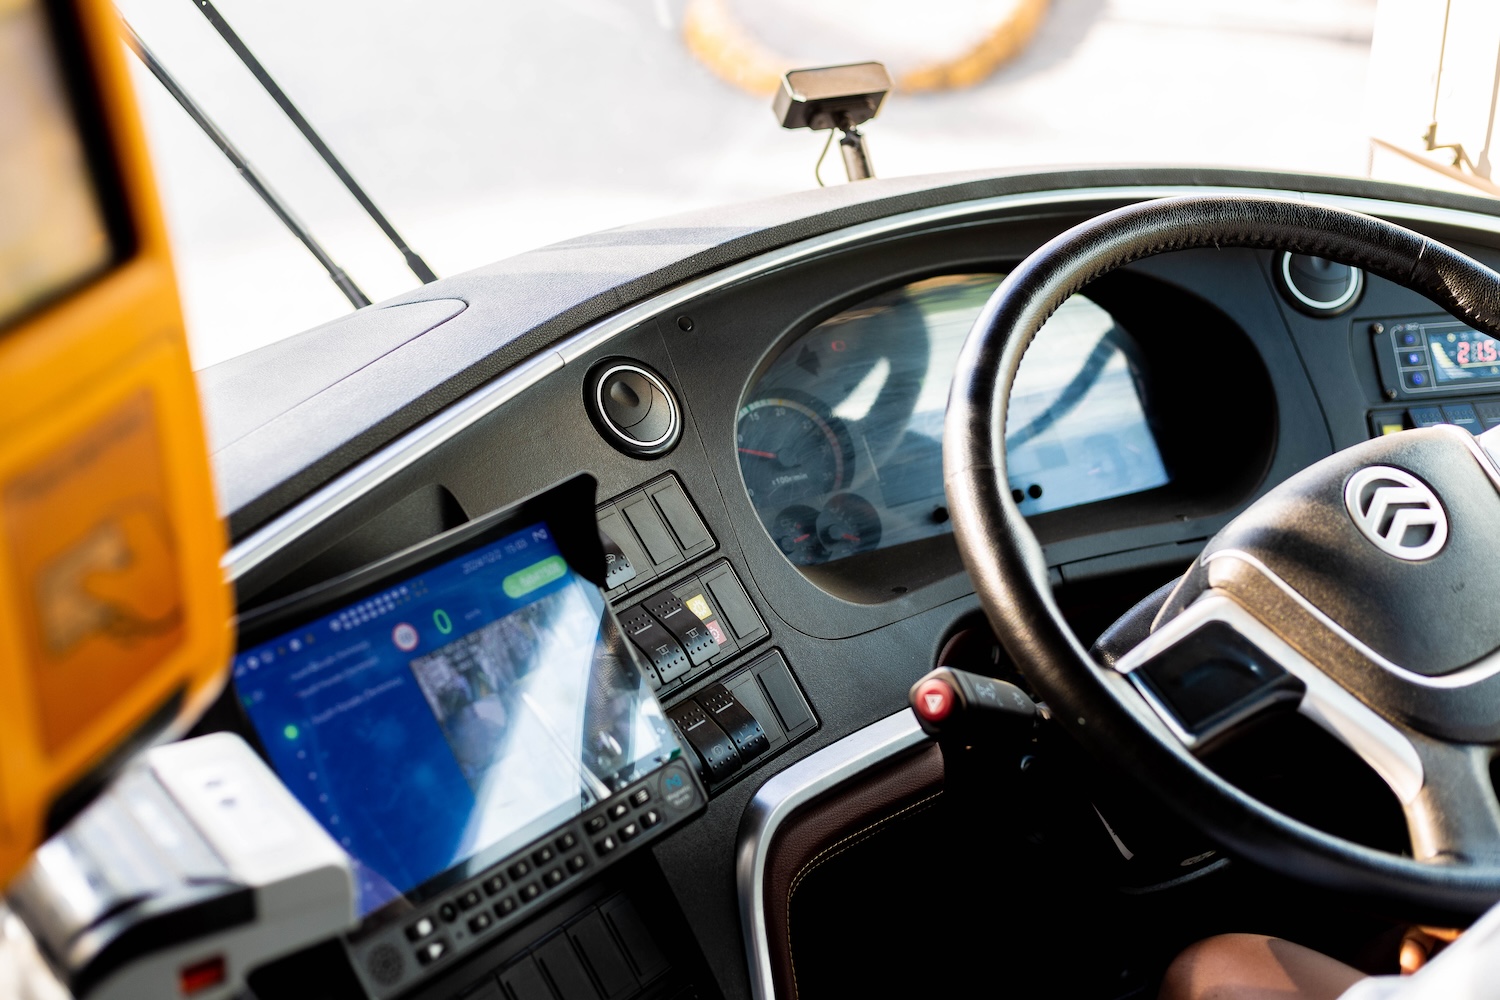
[413, 260]
[252, 176]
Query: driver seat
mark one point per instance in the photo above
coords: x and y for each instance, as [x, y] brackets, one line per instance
[1252, 967]
[1255, 967]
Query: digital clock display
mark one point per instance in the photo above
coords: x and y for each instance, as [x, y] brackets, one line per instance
[1460, 354]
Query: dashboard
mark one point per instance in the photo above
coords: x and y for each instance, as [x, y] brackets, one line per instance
[790, 361]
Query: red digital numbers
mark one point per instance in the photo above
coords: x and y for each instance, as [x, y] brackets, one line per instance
[1480, 352]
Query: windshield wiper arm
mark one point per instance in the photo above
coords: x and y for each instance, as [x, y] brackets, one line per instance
[413, 260]
[252, 176]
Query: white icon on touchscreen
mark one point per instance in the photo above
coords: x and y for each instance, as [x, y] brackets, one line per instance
[405, 637]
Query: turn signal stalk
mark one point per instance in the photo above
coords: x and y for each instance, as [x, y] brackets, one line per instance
[976, 709]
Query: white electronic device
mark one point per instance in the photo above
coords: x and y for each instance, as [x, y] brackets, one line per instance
[196, 867]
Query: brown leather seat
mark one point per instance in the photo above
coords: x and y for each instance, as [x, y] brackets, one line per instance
[1255, 967]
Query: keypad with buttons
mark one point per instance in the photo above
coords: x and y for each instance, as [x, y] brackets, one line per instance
[481, 909]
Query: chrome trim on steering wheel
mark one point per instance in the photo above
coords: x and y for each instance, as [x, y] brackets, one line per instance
[1480, 670]
[1486, 448]
[1381, 745]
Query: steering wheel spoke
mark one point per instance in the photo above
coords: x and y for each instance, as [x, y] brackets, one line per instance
[1216, 638]
[1455, 817]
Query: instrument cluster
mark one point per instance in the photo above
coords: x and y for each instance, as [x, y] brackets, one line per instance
[840, 440]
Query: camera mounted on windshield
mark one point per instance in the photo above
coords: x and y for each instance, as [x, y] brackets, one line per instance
[835, 97]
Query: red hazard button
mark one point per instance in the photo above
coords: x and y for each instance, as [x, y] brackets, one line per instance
[933, 699]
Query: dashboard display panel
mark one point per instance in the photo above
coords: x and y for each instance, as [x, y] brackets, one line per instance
[1461, 355]
[1464, 355]
[840, 440]
[1437, 355]
[450, 716]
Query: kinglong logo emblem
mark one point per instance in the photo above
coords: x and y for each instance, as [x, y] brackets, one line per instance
[1397, 511]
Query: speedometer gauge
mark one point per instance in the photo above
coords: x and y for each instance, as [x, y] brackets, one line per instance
[789, 451]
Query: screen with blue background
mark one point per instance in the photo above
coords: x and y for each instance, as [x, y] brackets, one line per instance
[454, 715]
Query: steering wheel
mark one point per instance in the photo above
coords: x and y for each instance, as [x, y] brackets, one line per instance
[1365, 589]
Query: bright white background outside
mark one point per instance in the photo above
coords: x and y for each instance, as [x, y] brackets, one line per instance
[486, 128]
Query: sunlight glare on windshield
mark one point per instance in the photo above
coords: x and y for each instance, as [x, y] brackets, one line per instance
[483, 130]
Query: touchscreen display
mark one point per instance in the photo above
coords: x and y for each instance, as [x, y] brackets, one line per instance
[442, 722]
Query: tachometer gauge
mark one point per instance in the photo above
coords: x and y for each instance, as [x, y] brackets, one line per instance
[789, 451]
[848, 524]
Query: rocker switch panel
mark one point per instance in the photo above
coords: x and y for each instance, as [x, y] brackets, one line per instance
[748, 735]
[665, 655]
[686, 627]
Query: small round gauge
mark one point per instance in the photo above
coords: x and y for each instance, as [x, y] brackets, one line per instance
[846, 525]
[796, 533]
[789, 451]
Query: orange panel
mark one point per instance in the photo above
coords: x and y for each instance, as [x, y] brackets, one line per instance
[94, 554]
[112, 602]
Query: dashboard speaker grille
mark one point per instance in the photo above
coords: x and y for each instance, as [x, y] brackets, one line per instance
[385, 964]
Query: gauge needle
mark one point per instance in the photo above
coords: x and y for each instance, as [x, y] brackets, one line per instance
[757, 454]
[802, 538]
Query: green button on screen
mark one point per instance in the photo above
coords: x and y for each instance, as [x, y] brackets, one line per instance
[538, 574]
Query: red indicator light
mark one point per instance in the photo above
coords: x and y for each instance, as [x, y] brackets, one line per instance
[200, 976]
[837, 345]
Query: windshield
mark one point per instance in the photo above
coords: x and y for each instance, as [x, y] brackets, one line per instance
[484, 129]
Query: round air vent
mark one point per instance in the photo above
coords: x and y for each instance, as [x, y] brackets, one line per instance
[1316, 286]
[633, 407]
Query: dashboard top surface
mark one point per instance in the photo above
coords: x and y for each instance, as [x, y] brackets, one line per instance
[284, 448]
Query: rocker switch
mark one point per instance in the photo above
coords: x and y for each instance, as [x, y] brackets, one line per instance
[719, 755]
[735, 720]
[658, 645]
[618, 569]
[685, 626]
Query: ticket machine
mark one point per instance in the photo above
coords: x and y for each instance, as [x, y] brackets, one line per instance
[114, 614]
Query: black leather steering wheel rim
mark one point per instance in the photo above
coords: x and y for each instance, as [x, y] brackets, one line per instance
[1005, 563]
